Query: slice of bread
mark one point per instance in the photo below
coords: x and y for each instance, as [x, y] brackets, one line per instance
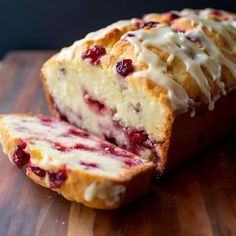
[72, 162]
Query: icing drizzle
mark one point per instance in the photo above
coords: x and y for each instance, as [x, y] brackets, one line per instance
[197, 60]
[176, 44]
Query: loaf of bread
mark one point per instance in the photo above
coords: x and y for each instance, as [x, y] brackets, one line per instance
[74, 163]
[161, 87]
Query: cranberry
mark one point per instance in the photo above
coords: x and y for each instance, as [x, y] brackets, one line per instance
[130, 163]
[38, 171]
[60, 147]
[89, 164]
[46, 119]
[149, 24]
[137, 140]
[124, 67]
[127, 157]
[94, 104]
[110, 149]
[78, 133]
[20, 157]
[216, 13]
[94, 54]
[57, 179]
[138, 137]
[84, 147]
[173, 16]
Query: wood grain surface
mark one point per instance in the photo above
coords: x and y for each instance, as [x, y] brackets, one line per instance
[198, 198]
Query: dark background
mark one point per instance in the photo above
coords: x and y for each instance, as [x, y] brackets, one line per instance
[52, 24]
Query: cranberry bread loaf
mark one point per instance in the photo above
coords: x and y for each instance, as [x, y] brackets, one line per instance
[74, 163]
[147, 84]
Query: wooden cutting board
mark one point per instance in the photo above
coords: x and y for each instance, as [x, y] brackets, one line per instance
[198, 198]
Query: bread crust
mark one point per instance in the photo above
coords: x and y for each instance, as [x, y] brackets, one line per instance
[78, 181]
[189, 136]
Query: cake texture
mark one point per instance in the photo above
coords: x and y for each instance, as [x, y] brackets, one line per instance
[74, 163]
[161, 87]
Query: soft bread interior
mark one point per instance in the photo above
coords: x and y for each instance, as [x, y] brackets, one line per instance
[133, 106]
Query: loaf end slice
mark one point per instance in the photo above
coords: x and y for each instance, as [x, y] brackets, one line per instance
[72, 162]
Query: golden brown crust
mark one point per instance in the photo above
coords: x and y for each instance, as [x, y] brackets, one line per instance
[78, 181]
[190, 135]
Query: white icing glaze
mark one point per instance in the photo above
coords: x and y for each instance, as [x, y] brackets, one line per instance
[157, 68]
[176, 44]
[223, 28]
[207, 14]
[210, 56]
[40, 138]
[110, 194]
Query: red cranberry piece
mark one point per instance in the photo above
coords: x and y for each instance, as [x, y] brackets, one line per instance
[149, 24]
[130, 163]
[124, 67]
[137, 141]
[60, 147]
[38, 171]
[57, 179]
[94, 54]
[46, 119]
[94, 104]
[110, 149]
[89, 164]
[216, 13]
[107, 148]
[138, 137]
[20, 157]
[173, 16]
[78, 133]
[22, 144]
[84, 147]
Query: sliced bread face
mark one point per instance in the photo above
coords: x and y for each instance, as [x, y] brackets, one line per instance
[74, 163]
